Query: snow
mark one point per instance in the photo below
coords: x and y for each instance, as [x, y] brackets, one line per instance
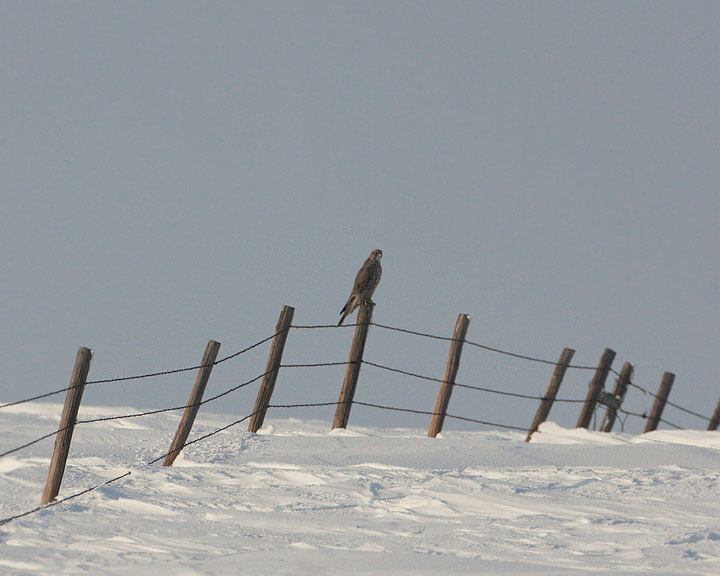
[300, 499]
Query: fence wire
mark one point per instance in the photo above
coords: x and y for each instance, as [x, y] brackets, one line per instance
[176, 408]
[136, 415]
[483, 347]
[644, 416]
[32, 442]
[468, 386]
[316, 365]
[503, 352]
[447, 339]
[144, 376]
[668, 402]
[60, 501]
[428, 413]
[125, 475]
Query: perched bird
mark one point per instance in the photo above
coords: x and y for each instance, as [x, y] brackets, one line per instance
[366, 281]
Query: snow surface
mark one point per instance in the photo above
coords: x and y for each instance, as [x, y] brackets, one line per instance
[299, 499]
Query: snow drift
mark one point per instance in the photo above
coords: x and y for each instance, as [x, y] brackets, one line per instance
[299, 499]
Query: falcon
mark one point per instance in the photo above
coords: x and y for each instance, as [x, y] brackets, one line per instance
[367, 279]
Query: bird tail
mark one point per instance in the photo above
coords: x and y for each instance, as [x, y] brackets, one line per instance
[347, 309]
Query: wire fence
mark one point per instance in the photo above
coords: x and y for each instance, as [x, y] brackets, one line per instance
[343, 363]
[373, 405]
[143, 376]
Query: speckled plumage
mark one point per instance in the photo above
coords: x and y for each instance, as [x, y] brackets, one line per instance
[367, 279]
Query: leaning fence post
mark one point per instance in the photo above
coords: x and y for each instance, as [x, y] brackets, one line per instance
[660, 399]
[595, 387]
[546, 404]
[193, 403]
[67, 425]
[347, 392]
[621, 385]
[715, 418]
[271, 369]
[451, 369]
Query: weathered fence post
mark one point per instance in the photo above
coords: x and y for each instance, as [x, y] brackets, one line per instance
[193, 403]
[451, 369]
[621, 385]
[715, 418]
[347, 392]
[272, 368]
[67, 425]
[660, 399]
[546, 404]
[596, 385]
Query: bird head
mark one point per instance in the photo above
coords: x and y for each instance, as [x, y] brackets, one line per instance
[376, 254]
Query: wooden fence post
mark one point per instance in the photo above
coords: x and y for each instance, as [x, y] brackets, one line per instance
[543, 410]
[621, 385]
[347, 392]
[193, 403]
[451, 369]
[596, 385]
[272, 368]
[715, 418]
[660, 399]
[67, 425]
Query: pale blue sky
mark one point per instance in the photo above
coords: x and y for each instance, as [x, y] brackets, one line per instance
[174, 172]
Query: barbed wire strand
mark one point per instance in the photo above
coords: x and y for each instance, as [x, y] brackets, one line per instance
[316, 326]
[38, 397]
[397, 409]
[161, 410]
[56, 502]
[428, 413]
[644, 416]
[670, 424]
[317, 365]
[630, 413]
[203, 437]
[126, 474]
[190, 368]
[32, 442]
[482, 346]
[137, 415]
[147, 375]
[478, 388]
[404, 372]
[450, 339]
[668, 402]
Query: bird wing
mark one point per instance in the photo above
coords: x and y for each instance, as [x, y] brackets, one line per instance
[363, 278]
